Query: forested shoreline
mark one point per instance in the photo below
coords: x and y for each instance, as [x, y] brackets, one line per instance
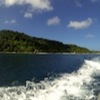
[17, 42]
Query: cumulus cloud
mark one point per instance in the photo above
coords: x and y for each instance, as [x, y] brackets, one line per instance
[28, 15]
[35, 4]
[54, 21]
[80, 24]
[13, 21]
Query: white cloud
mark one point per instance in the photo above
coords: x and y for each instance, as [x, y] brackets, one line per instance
[78, 4]
[80, 24]
[94, 1]
[35, 4]
[28, 15]
[54, 21]
[89, 36]
[13, 21]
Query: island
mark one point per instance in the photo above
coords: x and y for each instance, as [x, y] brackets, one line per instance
[17, 42]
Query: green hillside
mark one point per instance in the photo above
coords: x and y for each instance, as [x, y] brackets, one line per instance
[11, 41]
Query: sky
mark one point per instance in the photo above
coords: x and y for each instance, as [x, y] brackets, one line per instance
[68, 21]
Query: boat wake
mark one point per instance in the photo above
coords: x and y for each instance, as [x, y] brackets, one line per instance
[82, 84]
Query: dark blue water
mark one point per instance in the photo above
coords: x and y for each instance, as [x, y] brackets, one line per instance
[49, 76]
[22, 67]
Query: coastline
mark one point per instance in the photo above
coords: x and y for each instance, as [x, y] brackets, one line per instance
[44, 53]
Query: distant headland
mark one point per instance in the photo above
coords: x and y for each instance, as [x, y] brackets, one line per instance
[17, 42]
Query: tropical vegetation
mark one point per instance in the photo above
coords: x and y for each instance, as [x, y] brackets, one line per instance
[17, 42]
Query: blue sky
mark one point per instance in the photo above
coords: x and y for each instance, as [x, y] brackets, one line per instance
[68, 21]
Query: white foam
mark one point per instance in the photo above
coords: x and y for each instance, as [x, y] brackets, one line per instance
[78, 85]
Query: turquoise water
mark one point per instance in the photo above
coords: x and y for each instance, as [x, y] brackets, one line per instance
[49, 77]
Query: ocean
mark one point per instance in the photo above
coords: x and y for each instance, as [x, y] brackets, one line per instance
[49, 76]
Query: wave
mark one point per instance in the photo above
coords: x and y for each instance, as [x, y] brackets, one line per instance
[82, 84]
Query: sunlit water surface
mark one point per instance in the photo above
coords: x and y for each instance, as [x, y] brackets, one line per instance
[49, 77]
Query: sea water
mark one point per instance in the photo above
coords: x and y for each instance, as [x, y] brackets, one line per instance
[49, 77]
